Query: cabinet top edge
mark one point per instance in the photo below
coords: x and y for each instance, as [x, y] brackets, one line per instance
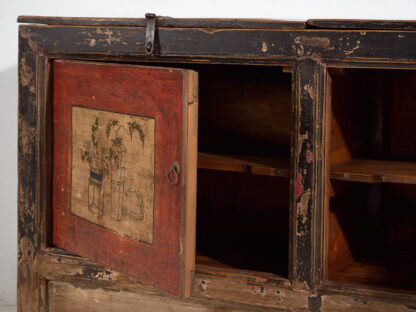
[163, 21]
[344, 24]
[236, 23]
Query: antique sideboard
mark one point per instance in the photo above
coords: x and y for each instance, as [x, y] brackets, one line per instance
[216, 165]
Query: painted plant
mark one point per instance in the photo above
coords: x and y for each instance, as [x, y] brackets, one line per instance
[105, 155]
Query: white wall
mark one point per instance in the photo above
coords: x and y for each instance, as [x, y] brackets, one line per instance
[9, 10]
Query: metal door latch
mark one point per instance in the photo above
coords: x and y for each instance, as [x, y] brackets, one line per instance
[174, 172]
[150, 33]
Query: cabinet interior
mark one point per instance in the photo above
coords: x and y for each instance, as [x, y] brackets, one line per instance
[243, 167]
[371, 196]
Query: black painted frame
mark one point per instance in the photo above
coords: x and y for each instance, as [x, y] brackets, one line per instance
[309, 53]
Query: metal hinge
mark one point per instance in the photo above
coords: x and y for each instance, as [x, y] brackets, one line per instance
[149, 47]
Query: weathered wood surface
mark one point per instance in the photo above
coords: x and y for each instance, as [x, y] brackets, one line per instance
[343, 48]
[66, 297]
[227, 43]
[126, 90]
[361, 24]
[29, 286]
[305, 152]
[237, 23]
[189, 147]
[164, 21]
[259, 289]
[222, 288]
[337, 303]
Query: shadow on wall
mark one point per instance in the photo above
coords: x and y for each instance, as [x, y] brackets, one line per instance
[8, 186]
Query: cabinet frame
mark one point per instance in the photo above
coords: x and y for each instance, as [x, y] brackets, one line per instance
[309, 52]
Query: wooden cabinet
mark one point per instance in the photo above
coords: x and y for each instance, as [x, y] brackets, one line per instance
[205, 165]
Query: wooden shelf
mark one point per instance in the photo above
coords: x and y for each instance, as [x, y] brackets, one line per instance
[254, 165]
[387, 272]
[373, 171]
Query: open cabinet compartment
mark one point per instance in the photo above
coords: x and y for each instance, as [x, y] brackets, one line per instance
[243, 177]
[371, 220]
[243, 160]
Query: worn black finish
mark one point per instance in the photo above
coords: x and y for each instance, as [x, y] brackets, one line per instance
[304, 153]
[321, 75]
[28, 246]
[164, 21]
[203, 41]
[260, 44]
[361, 24]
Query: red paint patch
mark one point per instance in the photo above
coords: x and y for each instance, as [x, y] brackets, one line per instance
[308, 156]
[299, 185]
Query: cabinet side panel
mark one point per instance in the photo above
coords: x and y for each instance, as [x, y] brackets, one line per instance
[28, 283]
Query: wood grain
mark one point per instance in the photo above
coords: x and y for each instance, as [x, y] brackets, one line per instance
[387, 273]
[350, 45]
[361, 24]
[249, 112]
[65, 297]
[249, 290]
[189, 183]
[248, 164]
[373, 171]
[165, 21]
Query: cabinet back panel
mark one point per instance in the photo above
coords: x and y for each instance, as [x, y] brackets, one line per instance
[245, 110]
[372, 234]
[242, 220]
[401, 116]
[373, 114]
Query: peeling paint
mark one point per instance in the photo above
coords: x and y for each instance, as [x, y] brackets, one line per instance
[299, 185]
[209, 30]
[348, 52]
[26, 75]
[202, 285]
[309, 89]
[26, 138]
[322, 42]
[302, 139]
[309, 156]
[298, 285]
[302, 205]
[109, 34]
[264, 47]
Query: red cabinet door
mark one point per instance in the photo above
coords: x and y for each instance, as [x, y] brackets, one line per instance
[124, 168]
